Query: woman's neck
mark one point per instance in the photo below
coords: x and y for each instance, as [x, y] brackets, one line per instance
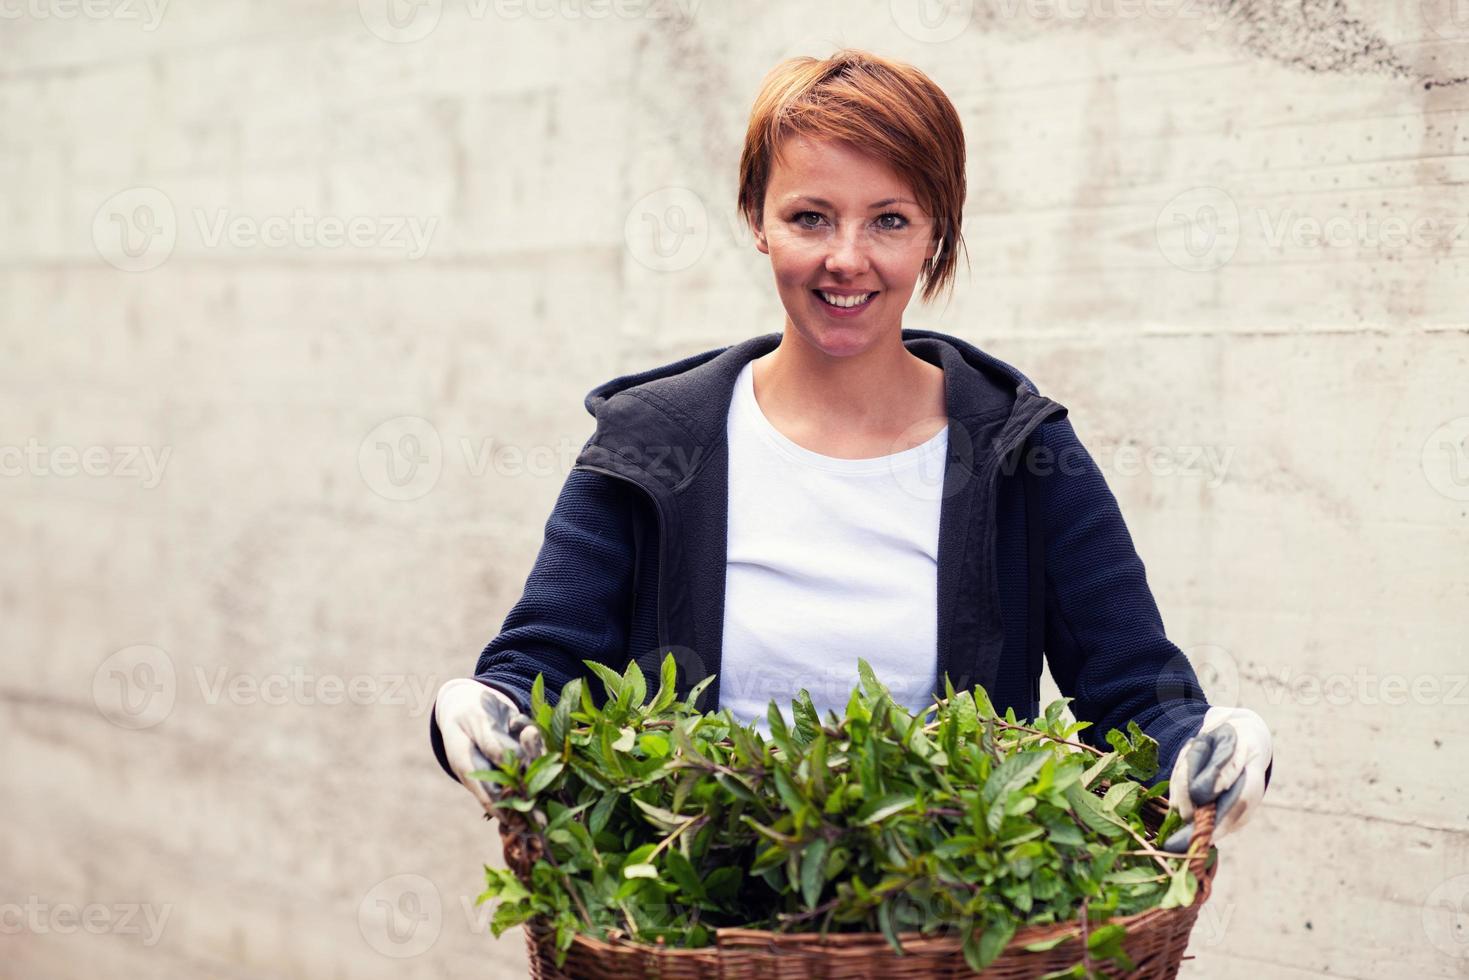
[876, 394]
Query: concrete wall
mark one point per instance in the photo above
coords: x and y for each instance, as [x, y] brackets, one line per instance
[266, 489]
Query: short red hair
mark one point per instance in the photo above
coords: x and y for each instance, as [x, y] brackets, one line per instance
[884, 108]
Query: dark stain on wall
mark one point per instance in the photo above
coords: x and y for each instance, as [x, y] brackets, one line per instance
[1318, 36]
[1312, 35]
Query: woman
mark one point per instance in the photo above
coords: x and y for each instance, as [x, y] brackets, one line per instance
[772, 510]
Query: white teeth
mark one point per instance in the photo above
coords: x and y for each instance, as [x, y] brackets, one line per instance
[844, 300]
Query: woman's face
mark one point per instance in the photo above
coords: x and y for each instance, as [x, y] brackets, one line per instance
[838, 221]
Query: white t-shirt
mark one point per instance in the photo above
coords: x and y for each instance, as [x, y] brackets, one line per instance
[828, 560]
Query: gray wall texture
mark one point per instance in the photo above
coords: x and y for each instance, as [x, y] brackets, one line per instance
[299, 301]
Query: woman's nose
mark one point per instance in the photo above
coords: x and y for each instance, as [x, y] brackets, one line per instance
[847, 254]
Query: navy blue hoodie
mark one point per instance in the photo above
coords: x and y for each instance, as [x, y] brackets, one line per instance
[1034, 558]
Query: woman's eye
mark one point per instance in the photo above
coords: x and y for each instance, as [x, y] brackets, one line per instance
[898, 223]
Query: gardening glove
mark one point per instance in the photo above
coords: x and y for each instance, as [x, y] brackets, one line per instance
[480, 726]
[1225, 763]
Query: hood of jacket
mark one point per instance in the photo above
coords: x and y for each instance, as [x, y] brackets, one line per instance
[664, 422]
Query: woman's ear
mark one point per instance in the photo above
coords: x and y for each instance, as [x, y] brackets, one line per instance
[760, 242]
[935, 243]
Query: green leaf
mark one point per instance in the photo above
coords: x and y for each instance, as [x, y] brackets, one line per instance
[885, 923]
[540, 711]
[1041, 945]
[667, 685]
[789, 795]
[992, 943]
[692, 698]
[560, 722]
[1089, 809]
[723, 884]
[543, 772]
[634, 686]
[870, 683]
[611, 680]
[878, 809]
[813, 879]
[779, 734]
[1121, 798]
[982, 703]
[684, 874]
[627, 737]
[1182, 887]
[653, 745]
[660, 818]
[510, 915]
[601, 812]
[807, 721]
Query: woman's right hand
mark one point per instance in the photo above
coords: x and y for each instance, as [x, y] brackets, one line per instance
[480, 727]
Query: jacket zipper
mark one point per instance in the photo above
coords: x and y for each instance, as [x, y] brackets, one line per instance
[662, 537]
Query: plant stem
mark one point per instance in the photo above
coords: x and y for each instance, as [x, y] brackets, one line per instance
[696, 819]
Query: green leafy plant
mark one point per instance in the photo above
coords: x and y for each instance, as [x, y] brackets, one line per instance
[656, 821]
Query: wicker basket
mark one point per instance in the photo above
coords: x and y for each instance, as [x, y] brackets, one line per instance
[1155, 939]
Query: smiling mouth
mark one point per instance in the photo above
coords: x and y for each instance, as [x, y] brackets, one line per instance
[845, 302]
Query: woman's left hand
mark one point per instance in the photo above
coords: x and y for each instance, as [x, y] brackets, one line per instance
[1225, 763]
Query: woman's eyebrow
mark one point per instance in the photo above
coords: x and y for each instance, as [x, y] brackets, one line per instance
[824, 203]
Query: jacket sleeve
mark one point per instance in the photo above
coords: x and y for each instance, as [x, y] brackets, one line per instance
[1104, 637]
[576, 603]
